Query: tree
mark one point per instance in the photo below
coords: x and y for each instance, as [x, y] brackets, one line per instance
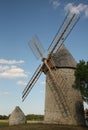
[3, 117]
[35, 117]
[81, 79]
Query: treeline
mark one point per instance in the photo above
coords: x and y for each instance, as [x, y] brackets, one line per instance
[28, 117]
[3, 117]
[35, 117]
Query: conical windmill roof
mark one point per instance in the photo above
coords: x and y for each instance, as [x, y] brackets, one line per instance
[63, 58]
[17, 117]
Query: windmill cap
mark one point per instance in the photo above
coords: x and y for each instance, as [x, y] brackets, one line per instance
[63, 58]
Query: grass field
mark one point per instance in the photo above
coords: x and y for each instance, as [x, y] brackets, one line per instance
[38, 126]
[4, 123]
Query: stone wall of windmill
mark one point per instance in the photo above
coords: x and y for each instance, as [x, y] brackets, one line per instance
[63, 104]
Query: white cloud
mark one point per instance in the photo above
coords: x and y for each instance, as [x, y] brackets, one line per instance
[9, 69]
[42, 82]
[4, 93]
[21, 83]
[10, 62]
[86, 12]
[42, 91]
[81, 8]
[3, 68]
[12, 72]
[55, 3]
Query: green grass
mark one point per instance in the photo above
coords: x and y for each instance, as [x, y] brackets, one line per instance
[4, 123]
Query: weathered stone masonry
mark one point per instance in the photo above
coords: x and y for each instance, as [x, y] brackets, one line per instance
[65, 65]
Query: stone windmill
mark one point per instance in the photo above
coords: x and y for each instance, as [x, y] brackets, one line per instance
[63, 104]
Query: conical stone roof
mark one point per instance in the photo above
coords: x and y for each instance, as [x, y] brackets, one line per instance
[63, 58]
[17, 117]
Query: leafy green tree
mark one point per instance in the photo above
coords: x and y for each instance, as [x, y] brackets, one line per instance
[3, 117]
[34, 117]
[81, 79]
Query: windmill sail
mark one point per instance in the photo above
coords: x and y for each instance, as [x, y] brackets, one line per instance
[36, 47]
[38, 50]
[65, 31]
[31, 83]
[58, 95]
[55, 37]
[61, 98]
[56, 82]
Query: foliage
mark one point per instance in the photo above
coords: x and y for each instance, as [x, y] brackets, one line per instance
[81, 80]
[34, 117]
[3, 117]
[28, 117]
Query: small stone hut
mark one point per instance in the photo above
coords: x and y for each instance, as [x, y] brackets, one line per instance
[65, 66]
[17, 117]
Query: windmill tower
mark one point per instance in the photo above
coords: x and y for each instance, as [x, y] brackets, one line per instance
[61, 100]
[72, 112]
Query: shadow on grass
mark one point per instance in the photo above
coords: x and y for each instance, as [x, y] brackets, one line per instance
[3, 124]
[38, 126]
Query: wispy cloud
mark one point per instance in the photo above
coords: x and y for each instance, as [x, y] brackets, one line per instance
[80, 8]
[86, 12]
[42, 91]
[12, 72]
[22, 83]
[10, 62]
[54, 3]
[9, 69]
[42, 82]
[4, 93]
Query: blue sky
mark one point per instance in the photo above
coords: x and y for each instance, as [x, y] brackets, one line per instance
[20, 20]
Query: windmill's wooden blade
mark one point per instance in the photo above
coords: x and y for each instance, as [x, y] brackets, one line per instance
[58, 96]
[36, 47]
[58, 31]
[57, 91]
[31, 83]
[69, 31]
[65, 31]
